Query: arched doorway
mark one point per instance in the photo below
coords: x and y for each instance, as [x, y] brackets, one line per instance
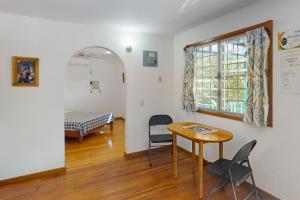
[95, 87]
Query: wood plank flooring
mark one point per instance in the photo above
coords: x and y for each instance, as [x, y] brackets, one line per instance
[111, 177]
[96, 148]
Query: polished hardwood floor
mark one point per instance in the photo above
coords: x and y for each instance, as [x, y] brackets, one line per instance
[98, 170]
[96, 148]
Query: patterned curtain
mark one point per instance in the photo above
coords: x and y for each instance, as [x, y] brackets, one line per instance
[257, 106]
[188, 100]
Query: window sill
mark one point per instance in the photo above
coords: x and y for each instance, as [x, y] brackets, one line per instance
[223, 115]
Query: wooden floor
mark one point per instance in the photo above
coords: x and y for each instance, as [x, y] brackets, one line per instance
[94, 176]
[96, 148]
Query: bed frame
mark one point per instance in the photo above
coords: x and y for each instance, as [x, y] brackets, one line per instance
[76, 134]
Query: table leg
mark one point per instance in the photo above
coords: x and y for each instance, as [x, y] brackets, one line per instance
[221, 150]
[174, 155]
[201, 170]
[111, 127]
[193, 155]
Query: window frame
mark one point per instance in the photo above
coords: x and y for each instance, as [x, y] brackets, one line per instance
[268, 25]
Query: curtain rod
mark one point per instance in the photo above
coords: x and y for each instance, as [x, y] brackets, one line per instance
[267, 24]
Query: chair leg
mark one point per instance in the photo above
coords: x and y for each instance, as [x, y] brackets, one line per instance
[172, 149]
[233, 190]
[253, 182]
[224, 184]
[218, 186]
[255, 188]
[150, 158]
[232, 185]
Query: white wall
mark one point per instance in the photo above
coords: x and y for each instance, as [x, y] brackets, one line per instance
[31, 119]
[276, 157]
[77, 86]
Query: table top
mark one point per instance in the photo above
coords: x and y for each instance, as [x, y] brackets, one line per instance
[220, 135]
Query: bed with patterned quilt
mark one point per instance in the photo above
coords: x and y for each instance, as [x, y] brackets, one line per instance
[79, 124]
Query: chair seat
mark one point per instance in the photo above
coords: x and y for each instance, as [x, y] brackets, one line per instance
[161, 138]
[239, 173]
[219, 167]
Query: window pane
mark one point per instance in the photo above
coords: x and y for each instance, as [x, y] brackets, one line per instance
[231, 69]
[215, 85]
[214, 93]
[206, 72]
[242, 83]
[230, 82]
[233, 76]
[231, 58]
[242, 68]
[221, 76]
[241, 58]
[199, 63]
[214, 104]
[234, 107]
[206, 51]
[206, 61]
[206, 86]
[207, 77]
[214, 49]
[214, 72]
[199, 52]
[214, 60]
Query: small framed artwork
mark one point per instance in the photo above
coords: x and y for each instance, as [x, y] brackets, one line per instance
[150, 58]
[95, 85]
[25, 71]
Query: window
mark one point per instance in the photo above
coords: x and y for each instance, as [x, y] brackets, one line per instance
[221, 76]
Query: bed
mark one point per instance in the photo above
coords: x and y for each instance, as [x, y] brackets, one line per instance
[79, 124]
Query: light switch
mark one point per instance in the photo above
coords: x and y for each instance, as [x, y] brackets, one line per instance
[160, 79]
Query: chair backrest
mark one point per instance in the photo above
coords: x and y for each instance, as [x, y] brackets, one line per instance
[243, 153]
[160, 120]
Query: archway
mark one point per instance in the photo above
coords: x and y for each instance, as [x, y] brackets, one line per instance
[95, 87]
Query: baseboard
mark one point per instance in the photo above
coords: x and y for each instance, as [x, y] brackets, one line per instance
[145, 152]
[263, 194]
[163, 148]
[18, 179]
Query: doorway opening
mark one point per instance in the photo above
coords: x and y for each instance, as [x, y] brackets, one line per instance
[94, 101]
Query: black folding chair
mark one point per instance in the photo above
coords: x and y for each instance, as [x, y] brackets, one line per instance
[234, 171]
[158, 138]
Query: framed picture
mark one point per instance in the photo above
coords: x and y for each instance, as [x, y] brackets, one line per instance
[150, 58]
[95, 85]
[25, 71]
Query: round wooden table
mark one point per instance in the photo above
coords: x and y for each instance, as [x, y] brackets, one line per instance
[218, 136]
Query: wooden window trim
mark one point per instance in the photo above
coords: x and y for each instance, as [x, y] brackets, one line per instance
[268, 25]
[236, 117]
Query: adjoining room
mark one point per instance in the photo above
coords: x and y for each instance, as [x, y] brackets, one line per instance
[94, 101]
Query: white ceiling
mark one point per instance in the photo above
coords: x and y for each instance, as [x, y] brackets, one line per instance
[153, 16]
